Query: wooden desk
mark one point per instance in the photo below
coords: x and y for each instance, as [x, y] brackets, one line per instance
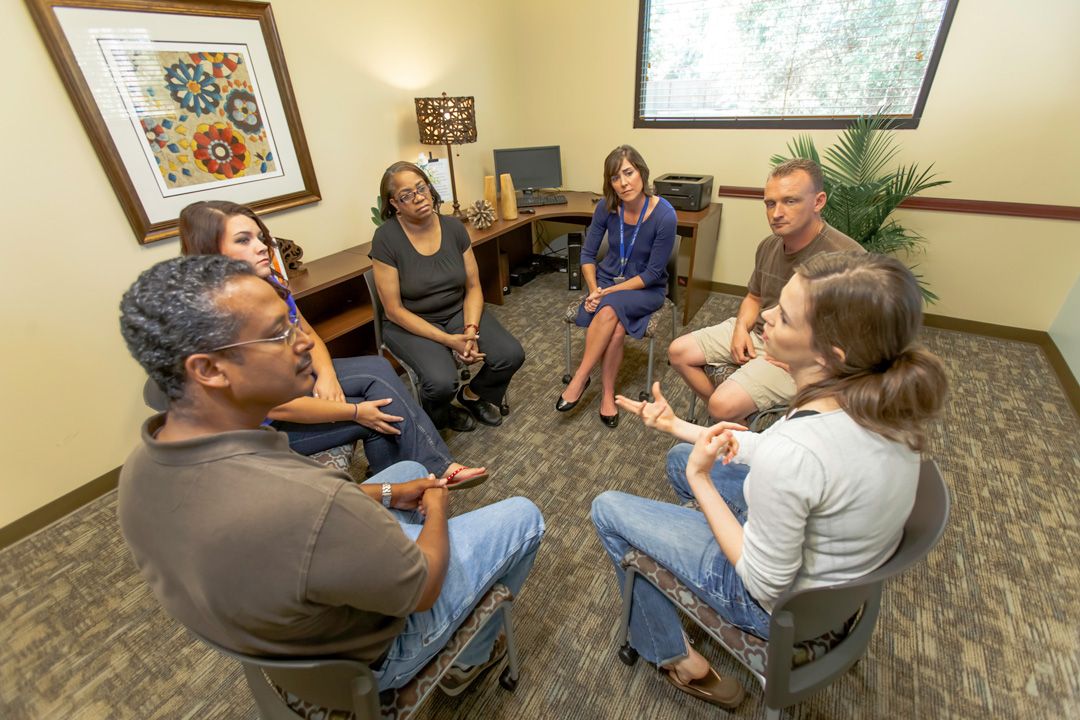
[332, 293]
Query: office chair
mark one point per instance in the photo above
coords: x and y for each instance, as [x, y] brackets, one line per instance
[381, 347]
[654, 319]
[815, 635]
[310, 688]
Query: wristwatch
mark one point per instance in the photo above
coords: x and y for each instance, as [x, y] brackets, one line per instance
[386, 494]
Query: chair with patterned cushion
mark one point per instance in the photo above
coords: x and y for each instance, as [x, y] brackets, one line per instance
[342, 689]
[815, 635]
[654, 319]
[756, 421]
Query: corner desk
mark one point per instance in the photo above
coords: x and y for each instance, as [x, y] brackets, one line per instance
[332, 293]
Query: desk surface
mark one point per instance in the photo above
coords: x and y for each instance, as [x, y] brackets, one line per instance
[332, 269]
[578, 205]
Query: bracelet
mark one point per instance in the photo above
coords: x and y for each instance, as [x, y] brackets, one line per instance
[356, 412]
[387, 490]
[473, 325]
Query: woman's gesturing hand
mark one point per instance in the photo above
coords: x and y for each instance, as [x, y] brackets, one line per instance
[716, 441]
[656, 414]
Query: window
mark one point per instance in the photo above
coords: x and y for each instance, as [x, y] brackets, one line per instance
[786, 63]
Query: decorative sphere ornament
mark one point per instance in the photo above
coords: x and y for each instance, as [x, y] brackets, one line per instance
[481, 214]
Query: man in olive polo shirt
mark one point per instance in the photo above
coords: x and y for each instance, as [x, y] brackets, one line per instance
[794, 198]
[263, 550]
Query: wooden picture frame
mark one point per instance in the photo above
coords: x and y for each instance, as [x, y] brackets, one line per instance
[183, 101]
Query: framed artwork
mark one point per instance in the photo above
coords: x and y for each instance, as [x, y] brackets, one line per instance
[182, 102]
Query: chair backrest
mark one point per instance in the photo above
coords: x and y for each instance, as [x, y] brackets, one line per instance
[808, 614]
[377, 309]
[154, 397]
[325, 682]
[672, 264]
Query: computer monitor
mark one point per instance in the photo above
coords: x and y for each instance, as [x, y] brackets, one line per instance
[531, 168]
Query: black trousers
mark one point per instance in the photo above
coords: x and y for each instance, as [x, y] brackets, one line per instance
[434, 363]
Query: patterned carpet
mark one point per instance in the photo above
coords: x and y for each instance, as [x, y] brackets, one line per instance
[988, 627]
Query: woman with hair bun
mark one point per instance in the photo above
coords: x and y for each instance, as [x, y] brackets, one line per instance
[820, 497]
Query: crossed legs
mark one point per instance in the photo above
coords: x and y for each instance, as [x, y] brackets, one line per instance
[603, 344]
[728, 401]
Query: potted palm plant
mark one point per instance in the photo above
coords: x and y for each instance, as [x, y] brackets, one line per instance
[864, 188]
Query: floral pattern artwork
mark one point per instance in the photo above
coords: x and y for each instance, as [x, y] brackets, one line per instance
[201, 115]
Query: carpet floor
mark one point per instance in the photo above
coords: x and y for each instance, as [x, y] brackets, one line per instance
[989, 626]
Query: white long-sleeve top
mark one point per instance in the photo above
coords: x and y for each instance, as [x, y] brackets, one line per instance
[827, 501]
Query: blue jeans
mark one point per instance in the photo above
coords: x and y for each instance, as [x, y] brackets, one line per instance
[679, 539]
[496, 543]
[372, 378]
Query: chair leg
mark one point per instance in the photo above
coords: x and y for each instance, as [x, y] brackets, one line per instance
[567, 377]
[414, 384]
[691, 416]
[647, 393]
[627, 653]
[674, 321]
[509, 677]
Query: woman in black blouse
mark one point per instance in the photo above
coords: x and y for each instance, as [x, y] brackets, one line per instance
[427, 280]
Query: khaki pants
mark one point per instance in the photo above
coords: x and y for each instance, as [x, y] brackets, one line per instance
[766, 384]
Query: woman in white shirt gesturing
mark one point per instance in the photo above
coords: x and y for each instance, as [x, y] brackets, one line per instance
[820, 497]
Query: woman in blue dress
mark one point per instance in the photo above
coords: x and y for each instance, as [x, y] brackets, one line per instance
[628, 285]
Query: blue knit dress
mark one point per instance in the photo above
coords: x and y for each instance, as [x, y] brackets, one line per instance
[648, 259]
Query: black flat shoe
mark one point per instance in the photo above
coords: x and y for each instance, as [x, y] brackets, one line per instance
[612, 421]
[564, 406]
[482, 410]
[459, 420]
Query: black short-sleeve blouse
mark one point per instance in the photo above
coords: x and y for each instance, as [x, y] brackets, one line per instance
[432, 286]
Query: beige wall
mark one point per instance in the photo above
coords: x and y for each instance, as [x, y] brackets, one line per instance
[1000, 123]
[72, 394]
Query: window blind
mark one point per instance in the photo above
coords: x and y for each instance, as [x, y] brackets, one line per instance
[732, 60]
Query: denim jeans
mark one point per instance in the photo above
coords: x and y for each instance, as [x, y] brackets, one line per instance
[372, 378]
[679, 539]
[496, 543]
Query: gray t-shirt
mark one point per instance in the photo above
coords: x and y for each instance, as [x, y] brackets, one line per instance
[773, 267]
[432, 286]
[826, 501]
[266, 551]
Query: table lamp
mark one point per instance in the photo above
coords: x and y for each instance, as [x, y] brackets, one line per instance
[447, 121]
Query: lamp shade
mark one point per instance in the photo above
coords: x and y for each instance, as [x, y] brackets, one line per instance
[446, 120]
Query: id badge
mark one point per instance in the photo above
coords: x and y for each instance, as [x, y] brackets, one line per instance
[617, 280]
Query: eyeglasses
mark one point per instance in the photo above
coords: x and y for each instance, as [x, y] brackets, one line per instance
[288, 337]
[408, 196]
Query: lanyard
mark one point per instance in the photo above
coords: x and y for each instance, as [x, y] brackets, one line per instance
[624, 257]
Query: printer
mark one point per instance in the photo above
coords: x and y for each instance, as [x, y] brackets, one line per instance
[685, 192]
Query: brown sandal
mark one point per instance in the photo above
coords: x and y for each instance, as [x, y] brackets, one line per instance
[467, 482]
[713, 688]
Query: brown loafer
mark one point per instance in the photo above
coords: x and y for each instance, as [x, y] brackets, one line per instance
[713, 688]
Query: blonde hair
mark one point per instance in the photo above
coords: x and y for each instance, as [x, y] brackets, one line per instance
[869, 306]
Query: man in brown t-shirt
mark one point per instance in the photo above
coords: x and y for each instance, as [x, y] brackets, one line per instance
[266, 551]
[794, 198]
